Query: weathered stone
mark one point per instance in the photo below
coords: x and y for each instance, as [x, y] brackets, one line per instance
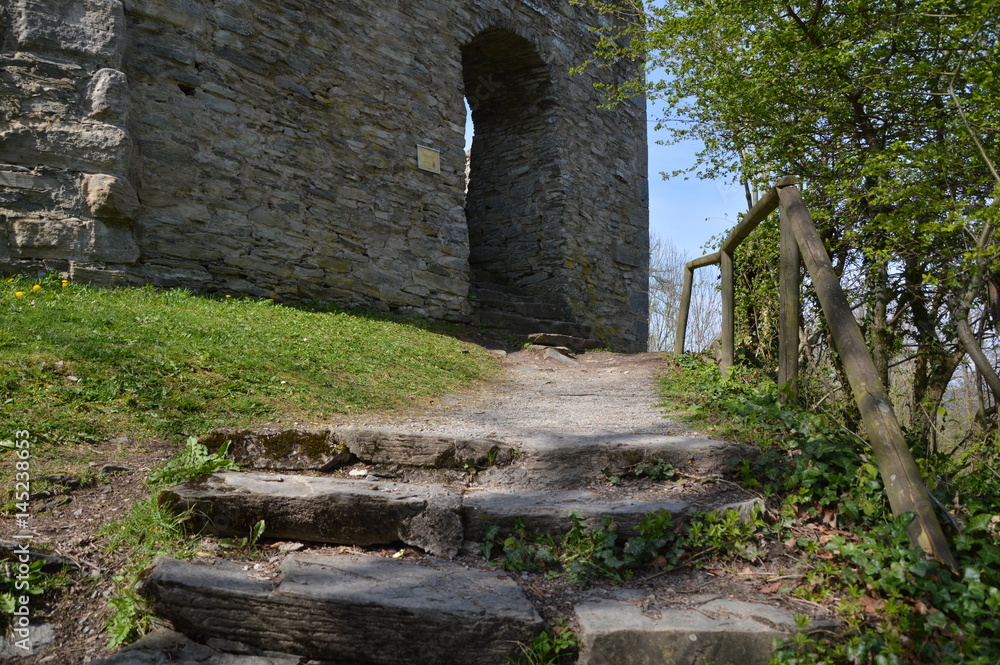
[428, 450]
[166, 647]
[554, 354]
[51, 563]
[297, 449]
[40, 637]
[184, 14]
[549, 512]
[106, 97]
[93, 28]
[114, 243]
[41, 238]
[575, 343]
[326, 510]
[109, 197]
[93, 148]
[362, 609]
[561, 460]
[715, 631]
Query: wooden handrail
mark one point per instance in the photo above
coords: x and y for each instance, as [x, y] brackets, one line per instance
[903, 484]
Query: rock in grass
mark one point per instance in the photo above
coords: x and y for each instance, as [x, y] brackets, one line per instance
[363, 609]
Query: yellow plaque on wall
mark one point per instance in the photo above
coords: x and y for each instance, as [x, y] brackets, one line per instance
[428, 159]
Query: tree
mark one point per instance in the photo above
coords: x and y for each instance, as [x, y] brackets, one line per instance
[666, 281]
[889, 110]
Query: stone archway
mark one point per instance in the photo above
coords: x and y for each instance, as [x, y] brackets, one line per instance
[515, 200]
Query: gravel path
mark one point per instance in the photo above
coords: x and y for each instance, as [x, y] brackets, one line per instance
[606, 393]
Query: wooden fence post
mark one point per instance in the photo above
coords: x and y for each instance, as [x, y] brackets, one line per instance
[728, 313]
[903, 485]
[685, 308]
[789, 307]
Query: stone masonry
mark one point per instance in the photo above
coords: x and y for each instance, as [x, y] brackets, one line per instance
[269, 148]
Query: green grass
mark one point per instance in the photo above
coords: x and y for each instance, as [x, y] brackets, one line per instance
[81, 364]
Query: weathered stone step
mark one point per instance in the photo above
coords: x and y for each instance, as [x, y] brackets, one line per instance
[567, 341]
[507, 293]
[326, 449]
[356, 512]
[357, 609]
[549, 512]
[325, 510]
[523, 325]
[522, 306]
[709, 630]
[560, 460]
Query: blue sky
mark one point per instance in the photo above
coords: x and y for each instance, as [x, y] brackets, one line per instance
[688, 212]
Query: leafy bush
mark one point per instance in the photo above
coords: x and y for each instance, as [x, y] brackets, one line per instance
[899, 606]
[585, 555]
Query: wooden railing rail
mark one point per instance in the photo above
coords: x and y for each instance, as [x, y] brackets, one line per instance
[903, 485]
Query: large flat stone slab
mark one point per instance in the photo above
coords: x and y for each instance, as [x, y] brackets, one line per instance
[326, 510]
[361, 609]
[712, 630]
[549, 512]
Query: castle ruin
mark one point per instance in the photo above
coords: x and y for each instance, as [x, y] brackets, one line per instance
[315, 150]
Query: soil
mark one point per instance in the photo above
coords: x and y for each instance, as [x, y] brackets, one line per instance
[606, 392]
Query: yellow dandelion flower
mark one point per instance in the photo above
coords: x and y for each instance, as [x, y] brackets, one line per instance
[19, 294]
[65, 283]
[36, 287]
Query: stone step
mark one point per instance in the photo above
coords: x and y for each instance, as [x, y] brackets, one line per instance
[523, 325]
[326, 449]
[506, 294]
[567, 341]
[528, 308]
[562, 460]
[557, 459]
[483, 279]
[351, 608]
[710, 629]
[325, 510]
[549, 512]
[358, 512]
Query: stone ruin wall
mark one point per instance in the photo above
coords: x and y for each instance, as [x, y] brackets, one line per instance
[268, 148]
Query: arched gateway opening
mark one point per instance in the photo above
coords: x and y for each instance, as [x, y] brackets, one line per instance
[515, 198]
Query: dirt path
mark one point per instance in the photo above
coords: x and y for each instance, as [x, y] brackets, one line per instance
[606, 392]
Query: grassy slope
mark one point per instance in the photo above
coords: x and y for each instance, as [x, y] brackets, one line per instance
[79, 364]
